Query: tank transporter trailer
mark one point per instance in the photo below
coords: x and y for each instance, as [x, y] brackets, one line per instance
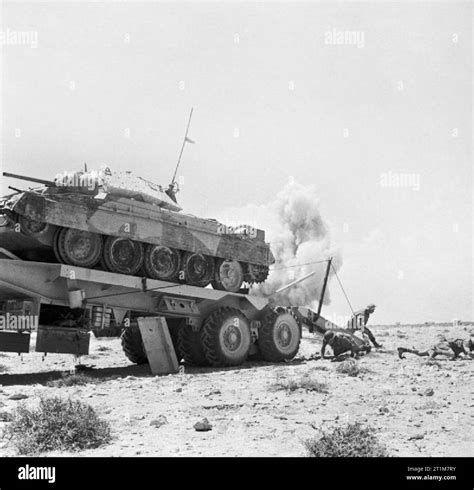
[163, 323]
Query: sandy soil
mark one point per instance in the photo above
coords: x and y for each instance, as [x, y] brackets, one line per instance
[251, 418]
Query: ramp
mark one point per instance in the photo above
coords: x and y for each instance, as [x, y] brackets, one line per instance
[158, 345]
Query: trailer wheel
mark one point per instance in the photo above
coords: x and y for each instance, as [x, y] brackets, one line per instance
[279, 336]
[226, 337]
[132, 345]
[174, 327]
[190, 347]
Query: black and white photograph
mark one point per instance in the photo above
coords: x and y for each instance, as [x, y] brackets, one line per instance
[236, 229]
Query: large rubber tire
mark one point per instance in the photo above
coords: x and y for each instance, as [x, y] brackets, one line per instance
[174, 327]
[77, 247]
[228, 276]
[226, 337]
[132, 345]
[279, 336]
[123, 255]
[190, 346]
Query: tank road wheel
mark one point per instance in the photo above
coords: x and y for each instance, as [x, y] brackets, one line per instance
[162, 262]
[198, 269]
[77, 247]
[56, 251]
[132, 345]
[190, 346]
[229, 276]
[279, 336]
[123, 255]
[226, 337]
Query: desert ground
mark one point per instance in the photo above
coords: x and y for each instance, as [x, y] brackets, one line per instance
[417, 408]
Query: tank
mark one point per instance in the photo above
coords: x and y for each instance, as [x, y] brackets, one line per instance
[122, 223]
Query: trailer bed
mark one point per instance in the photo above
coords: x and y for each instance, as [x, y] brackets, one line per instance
[54, 284]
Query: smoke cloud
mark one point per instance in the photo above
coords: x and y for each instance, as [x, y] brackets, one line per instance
[298, 237]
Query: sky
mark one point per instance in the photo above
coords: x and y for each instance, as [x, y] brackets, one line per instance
[367, 103]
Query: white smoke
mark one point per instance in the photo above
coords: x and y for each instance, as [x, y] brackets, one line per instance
[299, 238]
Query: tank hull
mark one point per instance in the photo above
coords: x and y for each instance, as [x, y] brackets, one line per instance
[25, 247]
[143, 222]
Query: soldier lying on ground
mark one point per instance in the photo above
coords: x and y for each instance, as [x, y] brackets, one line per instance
[341, 342]
[358, 322]
[450, 348]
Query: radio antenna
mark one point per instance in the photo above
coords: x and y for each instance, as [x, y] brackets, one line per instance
[186, 140]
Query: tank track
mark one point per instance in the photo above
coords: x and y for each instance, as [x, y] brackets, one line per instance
[121, 255]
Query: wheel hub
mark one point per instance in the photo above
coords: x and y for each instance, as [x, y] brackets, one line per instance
[123, 251]
[229, 275]
[283, 335]
[162, 261]
[232, 338]
[198, 269]
[80, 247]
[123, 255]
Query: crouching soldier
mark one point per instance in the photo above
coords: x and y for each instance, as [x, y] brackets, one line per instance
[358, 322]
[450, 348]
[341, 342]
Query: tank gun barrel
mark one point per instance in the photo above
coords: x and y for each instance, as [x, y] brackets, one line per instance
[48, 183]
[293, 283]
